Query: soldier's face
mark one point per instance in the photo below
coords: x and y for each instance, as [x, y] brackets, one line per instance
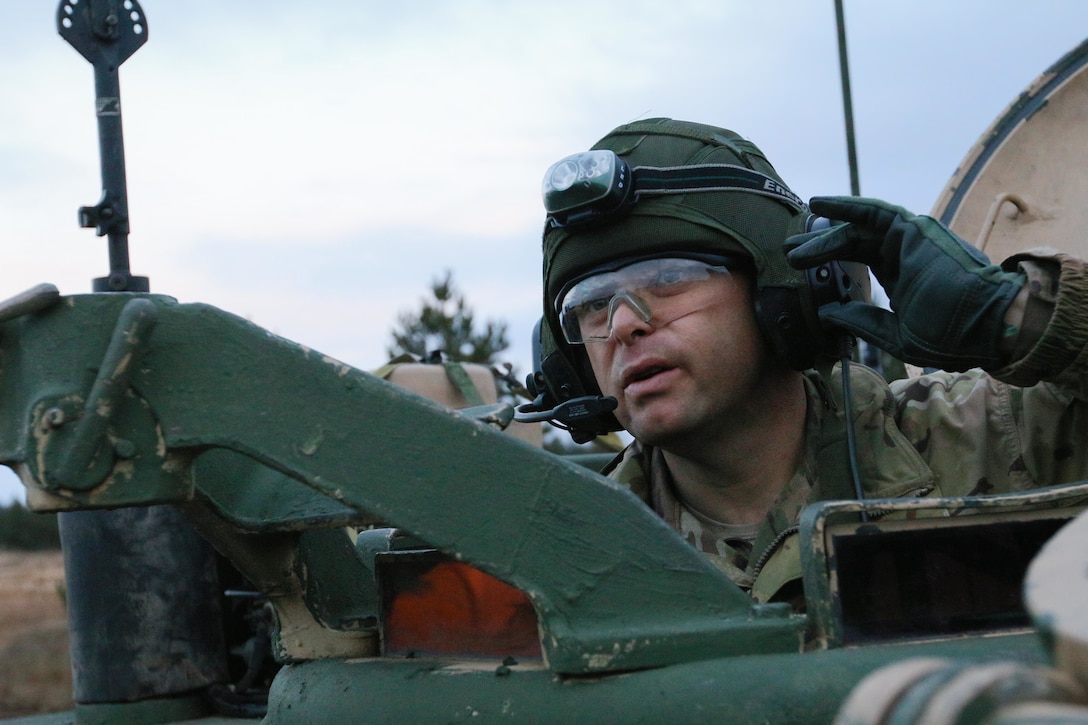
[675, 382]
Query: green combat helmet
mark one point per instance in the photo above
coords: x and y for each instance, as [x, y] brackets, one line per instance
[658, 188]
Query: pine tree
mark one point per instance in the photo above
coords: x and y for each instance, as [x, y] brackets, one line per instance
[446, 324]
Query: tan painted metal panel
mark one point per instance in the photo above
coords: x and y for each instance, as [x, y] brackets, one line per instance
[1025, 183]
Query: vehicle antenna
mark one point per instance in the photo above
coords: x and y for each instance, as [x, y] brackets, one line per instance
[847, 101]
[106, 33]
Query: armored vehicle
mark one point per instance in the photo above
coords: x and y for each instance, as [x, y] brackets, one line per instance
[252, 529]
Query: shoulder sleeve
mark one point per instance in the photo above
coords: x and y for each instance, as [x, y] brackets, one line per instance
[965, 427]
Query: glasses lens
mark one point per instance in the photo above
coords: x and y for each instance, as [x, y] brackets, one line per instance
[659, 291]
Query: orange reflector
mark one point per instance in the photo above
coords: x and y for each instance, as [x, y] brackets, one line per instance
[434, 605]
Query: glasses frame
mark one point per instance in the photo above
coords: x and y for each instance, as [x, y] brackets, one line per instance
[568, 325]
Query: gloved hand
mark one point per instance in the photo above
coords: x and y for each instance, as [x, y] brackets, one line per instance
[948, 301]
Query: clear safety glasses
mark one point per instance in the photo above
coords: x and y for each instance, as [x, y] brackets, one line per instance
[659, 291]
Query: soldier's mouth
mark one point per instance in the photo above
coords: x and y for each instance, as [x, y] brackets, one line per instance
[641, 374]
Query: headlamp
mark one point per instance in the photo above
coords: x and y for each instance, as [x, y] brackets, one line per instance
[592, 185]
[590, 182]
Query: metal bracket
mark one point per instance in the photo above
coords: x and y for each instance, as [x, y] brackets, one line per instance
[79, 461]
[106, 33]
[991, 215]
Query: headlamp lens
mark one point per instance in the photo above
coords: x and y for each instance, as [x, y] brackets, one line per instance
[659, 291]
[562, 176]
[585, 183]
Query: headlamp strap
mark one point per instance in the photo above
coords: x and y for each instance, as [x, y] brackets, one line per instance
[711, 177]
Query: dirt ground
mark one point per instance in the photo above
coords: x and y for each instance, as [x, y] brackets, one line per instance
[35, 674]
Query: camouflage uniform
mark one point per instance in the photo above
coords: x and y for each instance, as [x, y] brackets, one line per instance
[944, 434]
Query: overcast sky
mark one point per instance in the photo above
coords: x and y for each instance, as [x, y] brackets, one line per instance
[314, 166]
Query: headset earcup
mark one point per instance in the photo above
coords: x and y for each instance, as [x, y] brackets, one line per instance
[786, 328]
[789, 316]
[783, 309]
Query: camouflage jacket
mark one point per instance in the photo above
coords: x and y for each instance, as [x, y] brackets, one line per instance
[943, 434]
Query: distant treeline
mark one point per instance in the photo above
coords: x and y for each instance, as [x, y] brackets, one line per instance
[23, 530]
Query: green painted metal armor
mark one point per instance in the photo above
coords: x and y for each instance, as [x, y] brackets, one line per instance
[148, 401]
[124, 401]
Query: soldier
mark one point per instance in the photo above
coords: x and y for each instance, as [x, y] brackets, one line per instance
[680, 280]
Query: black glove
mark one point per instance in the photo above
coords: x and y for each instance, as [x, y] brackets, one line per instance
[948, 300]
